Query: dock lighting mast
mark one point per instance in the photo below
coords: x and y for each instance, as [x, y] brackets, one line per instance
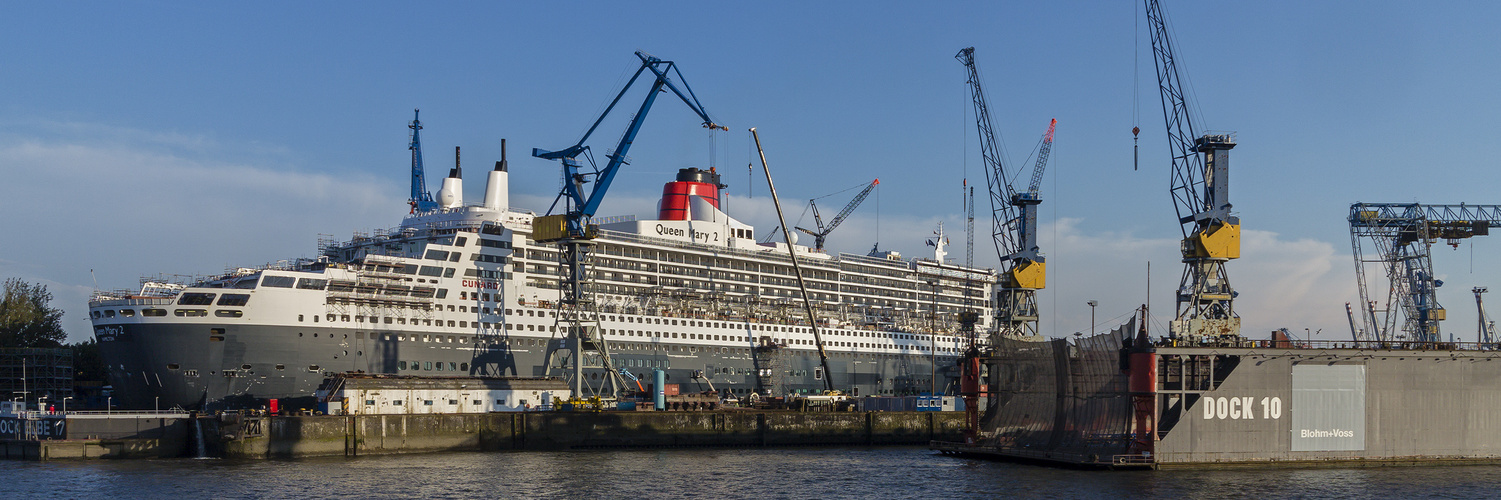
[1201, 195]
[574, 233]
[422, 200]
[823, 231]
[1401, 235]
[1014, 218]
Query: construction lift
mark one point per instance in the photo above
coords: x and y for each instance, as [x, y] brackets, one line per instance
[583, 345]
[1401, 235]
[1201, 194]
[823, 231]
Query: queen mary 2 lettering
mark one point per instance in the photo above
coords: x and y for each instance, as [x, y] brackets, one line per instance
[462, 289]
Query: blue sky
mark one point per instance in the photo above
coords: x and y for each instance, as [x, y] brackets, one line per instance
[143, 139]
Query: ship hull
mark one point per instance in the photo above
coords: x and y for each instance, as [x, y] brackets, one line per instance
[164, 366]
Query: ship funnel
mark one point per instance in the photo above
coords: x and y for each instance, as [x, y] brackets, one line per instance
[498, 187]
[691, 182]
[451, 195]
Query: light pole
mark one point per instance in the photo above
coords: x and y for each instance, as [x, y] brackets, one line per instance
[65, 404]
[1091, 315]
[933, 341]
[108, 404]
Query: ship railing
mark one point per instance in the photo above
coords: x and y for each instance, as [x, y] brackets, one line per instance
[104, 300]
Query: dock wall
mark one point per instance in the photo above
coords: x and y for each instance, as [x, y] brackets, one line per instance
[294, 437]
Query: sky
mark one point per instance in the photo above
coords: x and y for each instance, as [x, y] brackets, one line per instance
[189, 138]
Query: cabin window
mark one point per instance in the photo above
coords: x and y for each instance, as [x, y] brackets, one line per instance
[396, 402]
[431, 271]
[278, 281]
[196, 299]
[312, 368]
[464, 367]
[369, 402]
[448, 273]
[190, 313]
[229, 313]
[437, 255]
[281, 367]
[234, 299]
[427, 402]
[172, 366]
[401, 365]
[454, 257]
[427, 365]
[500, 402]
[453, 401]
[311, 284]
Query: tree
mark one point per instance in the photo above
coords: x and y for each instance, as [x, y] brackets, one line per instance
[26, 320]
[87, 363]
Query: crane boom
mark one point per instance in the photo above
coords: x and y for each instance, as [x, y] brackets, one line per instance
[823, 231]
[1014, 223]
[1201, 195]
[1042, 159]
[421, 200]
[574, 235]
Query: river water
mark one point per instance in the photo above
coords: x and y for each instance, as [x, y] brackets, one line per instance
[708, 473]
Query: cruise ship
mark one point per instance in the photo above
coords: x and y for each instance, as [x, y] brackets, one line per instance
[462, 289]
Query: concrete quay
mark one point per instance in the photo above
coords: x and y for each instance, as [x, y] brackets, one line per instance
[274, 437]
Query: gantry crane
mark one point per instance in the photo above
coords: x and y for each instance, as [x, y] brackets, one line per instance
[1201, 195]
[573, 232]
[823, 231]
[422, 200]
[1402, 234]
[1014, 219]
[1487, 326]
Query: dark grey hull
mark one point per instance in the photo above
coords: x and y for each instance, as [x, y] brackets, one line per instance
[1256, 403]
[164, 365]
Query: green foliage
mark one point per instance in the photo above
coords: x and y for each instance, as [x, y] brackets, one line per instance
[87, 363]
[26, 320]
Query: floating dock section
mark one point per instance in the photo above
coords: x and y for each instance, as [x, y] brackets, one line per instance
[1112, 401]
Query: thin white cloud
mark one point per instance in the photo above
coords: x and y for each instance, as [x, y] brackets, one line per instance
[127, 204]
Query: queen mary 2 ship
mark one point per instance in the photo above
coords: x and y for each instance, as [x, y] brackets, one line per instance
[462, 289]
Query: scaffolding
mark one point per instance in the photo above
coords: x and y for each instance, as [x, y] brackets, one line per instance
[35, 374]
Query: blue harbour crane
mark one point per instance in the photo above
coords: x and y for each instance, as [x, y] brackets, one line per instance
[823, 231]
[571, 229]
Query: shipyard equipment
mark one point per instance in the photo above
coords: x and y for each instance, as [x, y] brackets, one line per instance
[1201, 194]
[1401, 235]
[823, 231]
[1487, 325]
[570, 227]
[1014, 221]
[422, 200]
